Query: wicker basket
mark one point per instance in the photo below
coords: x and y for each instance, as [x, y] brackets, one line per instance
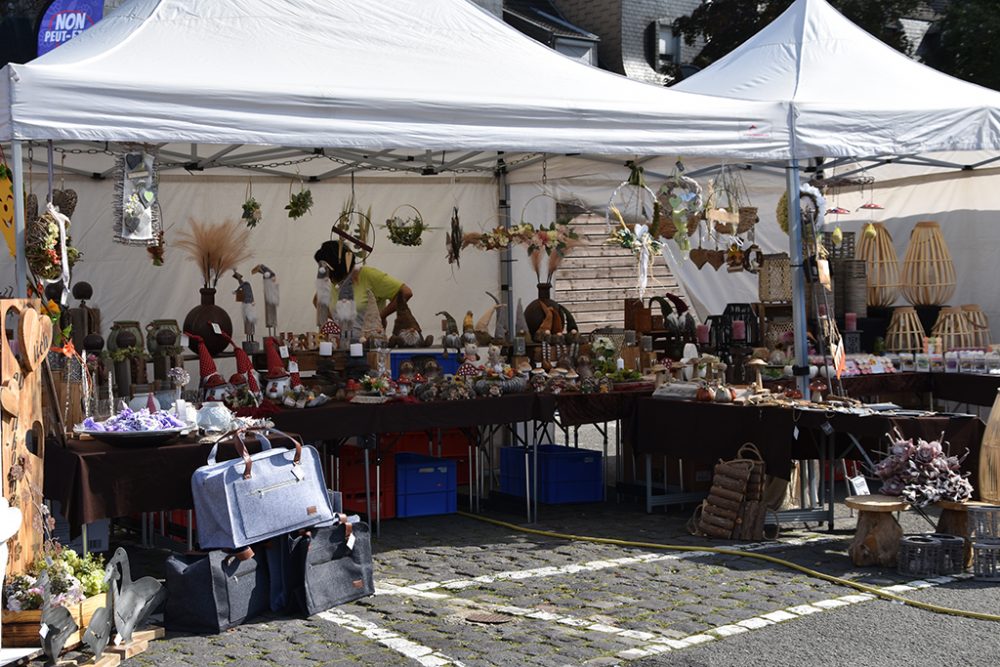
[986, 560]
[953, 328]
[918, 555]
[905, 333]
[748, 218]
[928, 272]
[883, 267]
[984, 521]
[850, 278]
[846, 249]
[774, 282]
[980, 325]
[952, 556]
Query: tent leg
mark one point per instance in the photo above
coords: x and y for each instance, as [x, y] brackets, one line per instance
[506, 266]
[20, 260]
[798, 277]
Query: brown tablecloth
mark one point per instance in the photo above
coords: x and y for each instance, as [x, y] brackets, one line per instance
[707, 432]
[579, 409]
[971, 388]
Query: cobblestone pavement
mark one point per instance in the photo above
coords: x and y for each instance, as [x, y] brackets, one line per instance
[454, 590]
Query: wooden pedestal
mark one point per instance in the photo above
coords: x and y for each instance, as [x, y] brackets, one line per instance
[876, 540]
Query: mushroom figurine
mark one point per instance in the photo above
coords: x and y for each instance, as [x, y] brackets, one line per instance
[757, 365]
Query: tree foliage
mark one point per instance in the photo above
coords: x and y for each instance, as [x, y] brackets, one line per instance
[966, 42]
[725, 24]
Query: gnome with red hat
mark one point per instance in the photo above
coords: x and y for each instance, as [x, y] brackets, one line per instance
[244, 368]
[213, 386]
[277, 377]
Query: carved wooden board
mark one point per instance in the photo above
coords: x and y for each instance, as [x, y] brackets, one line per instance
[26, 338]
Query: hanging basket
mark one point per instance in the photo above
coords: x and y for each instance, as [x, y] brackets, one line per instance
[406, 231]
[356, 229]
[685, 192]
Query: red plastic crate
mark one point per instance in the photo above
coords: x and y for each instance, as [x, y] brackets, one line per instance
[352, 469]
[354, 502]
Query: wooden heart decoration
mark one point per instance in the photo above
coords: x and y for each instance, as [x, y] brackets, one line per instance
[35, 331]
[698, 257]
[716, 258]
[10, 398]
[65, 201]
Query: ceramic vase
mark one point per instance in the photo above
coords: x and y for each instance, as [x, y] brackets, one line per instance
[200, 319]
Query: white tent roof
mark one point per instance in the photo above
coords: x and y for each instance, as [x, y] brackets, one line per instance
[372, 74]
[851, 94]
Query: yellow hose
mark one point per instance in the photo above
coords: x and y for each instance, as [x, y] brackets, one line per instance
[746, 554]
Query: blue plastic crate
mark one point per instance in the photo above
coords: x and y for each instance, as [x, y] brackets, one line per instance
[448, 364]
[425, 485]
[566, 474]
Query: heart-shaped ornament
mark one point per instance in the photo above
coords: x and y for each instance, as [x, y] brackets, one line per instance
[148, 196]
[698, 257]
[133, 160]
[65, 200]
[10, 398]
[716, 258]
[35, 331]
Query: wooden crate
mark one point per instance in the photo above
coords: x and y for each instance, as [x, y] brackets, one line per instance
[20, 628]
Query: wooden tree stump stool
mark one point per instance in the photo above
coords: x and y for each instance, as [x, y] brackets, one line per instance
[954, 520]
[876, 540]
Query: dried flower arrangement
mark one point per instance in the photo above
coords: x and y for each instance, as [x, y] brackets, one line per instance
[251, 212]
[406, 231]
[923, 473]
[217, 249]
[299, 204]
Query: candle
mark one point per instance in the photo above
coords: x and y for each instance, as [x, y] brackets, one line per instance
[357, 350]
[325, 348]
[739, 330]
[850, 321]
[620, 364]
[702, 333]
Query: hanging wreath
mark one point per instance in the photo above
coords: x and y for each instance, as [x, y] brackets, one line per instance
[406, 231]
[356, 228]
[43, 248]
[639, 227]
[811, 201]
[681, 195]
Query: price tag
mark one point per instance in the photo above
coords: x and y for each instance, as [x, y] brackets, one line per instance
[283, 351]
[298, 473]
[43, 631]
[859, 485]
[350, 542]
[293, 367]
[217, 329]
[827, 428]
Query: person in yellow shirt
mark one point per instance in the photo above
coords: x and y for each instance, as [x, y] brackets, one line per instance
[341, 267]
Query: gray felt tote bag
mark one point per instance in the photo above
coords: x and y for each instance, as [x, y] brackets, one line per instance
[254, 498]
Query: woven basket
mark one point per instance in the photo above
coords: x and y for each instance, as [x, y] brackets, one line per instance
[846, 249]
[850, 278]
[774, 282]
[905, 333]
[748, 218]
[928, 272]
[986, 560]
[919, 555]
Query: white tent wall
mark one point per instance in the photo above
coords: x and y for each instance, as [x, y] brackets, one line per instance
[965, 203]
[128, 287]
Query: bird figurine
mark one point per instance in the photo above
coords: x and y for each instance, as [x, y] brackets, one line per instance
[322, 294]
[272, 297]
[57, 621]
[133, 601]
[451, 338]
[244, 296]
[98, 631]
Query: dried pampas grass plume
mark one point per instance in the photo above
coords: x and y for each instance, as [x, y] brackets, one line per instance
[216, 249]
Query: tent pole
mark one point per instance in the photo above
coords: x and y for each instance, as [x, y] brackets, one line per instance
[20, 259]
[506, 266]
[801, 365]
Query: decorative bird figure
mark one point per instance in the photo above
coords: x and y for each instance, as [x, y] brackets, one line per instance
[272, 298]
[451, 337]
[98, 631]
[244, 296]
[322, 294]
[133, 601]
[57, 621]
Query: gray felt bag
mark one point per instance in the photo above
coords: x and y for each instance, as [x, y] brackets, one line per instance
[331, 566]
[254, 498]
[210, 593]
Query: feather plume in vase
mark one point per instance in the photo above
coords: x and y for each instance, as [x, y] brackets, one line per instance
[216, 249]
[536, 262]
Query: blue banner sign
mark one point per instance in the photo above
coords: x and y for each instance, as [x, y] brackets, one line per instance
[64, 20]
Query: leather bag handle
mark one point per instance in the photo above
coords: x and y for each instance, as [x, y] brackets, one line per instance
[242, 449]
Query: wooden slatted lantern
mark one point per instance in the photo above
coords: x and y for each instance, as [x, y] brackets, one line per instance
[953, 328]
[905, 333]
[989, 458]
[980, 325]
[883, 266]
[928, 272]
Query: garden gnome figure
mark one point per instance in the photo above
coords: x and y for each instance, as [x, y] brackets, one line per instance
[244, 296]
[277, 377]
[214, 386]
[271, 298]
[10, 523]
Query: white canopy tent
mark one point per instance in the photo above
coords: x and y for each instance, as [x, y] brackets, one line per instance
[849, 95]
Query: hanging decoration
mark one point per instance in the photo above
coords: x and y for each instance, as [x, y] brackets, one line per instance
[156, 252]
[251, 207]
[48, 246]
[299, 203]
[454, 239]
[406, 230]
[636, 210]
[681, 195]
[137, 205]
[728, 207]
[7, 204]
